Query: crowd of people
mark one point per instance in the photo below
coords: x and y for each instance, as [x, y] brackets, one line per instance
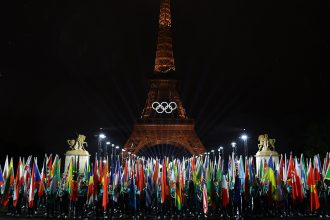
[195, 187]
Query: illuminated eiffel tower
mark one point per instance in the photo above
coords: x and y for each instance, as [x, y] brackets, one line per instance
[164, 120]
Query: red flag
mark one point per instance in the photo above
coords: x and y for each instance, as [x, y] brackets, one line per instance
[314, 198]
[125, 172]
[141, 177]
[155, 176]
[31, 190]
[225, 192]
[105, 199]
[95, 178]
[18, 182]
[246, 178]
[101, 172]
[291, 169]
[281, 168]
[165, 188]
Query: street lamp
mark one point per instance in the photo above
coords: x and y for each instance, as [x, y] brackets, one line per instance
[212, 151]
[233, 144]
[122, 154]
[117, 148]
[106, 147]
[101, 136]
[112, 146]
[220, 150]
[244, 137]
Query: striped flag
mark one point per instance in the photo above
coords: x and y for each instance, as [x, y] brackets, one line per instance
[32, 188]
[205, 200]
[90, 190]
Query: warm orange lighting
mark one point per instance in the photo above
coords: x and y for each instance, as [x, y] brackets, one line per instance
[164, 61]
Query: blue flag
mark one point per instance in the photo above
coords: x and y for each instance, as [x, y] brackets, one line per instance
[37, 177]
[149, 191]
[1, 178]
[271, 163]
[132, 194]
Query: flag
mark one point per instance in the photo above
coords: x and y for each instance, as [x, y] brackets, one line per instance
[156, 169]
[125, 174]
[178, 193]
[291, 169]
[116, 182]
[2, 181]
[11, 171]
[41, 189]
[74, 183]
[246, 178]
[314, 198]
[105, 199]
[149, 191]
[37, 177]
[141, 182]
[69, 176]
[95, 177]
[17, 182]
[271, 163]
[32, 188]
[270, 176]
[225, 192]
[205, 199]
[297, 191]
[9, 177]
[90, 189]
[165, 188]
[132, 194]
[326, 178]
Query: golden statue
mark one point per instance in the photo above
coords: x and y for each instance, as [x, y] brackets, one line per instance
[272, 144]
[78, 144]
[263, 142]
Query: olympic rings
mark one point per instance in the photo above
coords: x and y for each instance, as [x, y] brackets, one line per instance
[162, 107]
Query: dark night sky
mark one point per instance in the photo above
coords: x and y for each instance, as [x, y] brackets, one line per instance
[71, 66]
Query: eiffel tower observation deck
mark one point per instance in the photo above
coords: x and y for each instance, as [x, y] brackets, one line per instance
[164, 120]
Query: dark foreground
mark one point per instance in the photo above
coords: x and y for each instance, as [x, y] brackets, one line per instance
[39, 217]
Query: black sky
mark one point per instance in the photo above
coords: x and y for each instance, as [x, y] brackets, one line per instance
[72, 67]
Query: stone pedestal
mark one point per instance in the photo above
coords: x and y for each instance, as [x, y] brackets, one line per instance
[264, 155]
[78, 155]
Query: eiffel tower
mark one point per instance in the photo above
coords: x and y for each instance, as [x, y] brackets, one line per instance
[164, 120]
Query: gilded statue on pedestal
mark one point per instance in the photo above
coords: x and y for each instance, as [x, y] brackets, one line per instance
[266, 144]
[78, 144]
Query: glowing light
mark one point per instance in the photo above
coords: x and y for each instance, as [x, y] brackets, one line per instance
[244, 137]
[117, 147]
[164, 107]
[233, 144]
[108, 143]
[123, 150]
[102, 136]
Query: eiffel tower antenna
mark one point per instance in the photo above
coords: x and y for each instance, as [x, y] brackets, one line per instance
[164, 61]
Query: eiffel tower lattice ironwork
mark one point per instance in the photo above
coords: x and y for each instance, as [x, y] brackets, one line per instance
[164, 119]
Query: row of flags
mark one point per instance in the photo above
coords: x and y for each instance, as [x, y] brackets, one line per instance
[158, 180]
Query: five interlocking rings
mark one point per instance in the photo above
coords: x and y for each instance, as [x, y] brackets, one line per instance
[164, 107]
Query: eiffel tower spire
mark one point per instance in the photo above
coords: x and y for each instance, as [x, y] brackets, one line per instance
[164, 61]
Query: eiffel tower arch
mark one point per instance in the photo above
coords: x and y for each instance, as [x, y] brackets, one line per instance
[164, 119]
